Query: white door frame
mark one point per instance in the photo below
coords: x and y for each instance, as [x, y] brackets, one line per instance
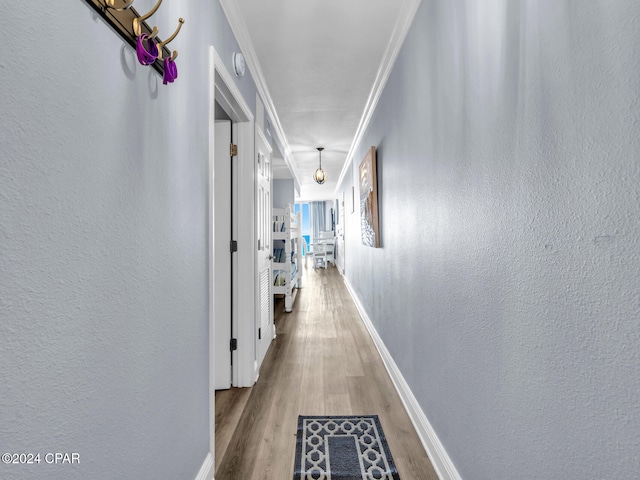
[222, 88]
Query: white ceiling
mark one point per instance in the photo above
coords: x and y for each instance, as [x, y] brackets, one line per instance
[320, 65]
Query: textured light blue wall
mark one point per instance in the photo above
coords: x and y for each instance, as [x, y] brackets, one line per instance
[507, 286]
[226, 45]
[283, 193]
[104, 337]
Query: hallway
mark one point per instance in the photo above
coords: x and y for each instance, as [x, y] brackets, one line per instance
[322, 362]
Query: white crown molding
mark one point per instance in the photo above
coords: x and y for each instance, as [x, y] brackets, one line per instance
[440, 460]
[403, 23]
[241, 32]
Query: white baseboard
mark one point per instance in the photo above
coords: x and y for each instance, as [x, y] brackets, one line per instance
[439, 458]
[206, 470]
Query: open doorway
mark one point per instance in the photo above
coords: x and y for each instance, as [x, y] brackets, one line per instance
[233, 198]
[223, 254]
[231, 203]
[305, 220]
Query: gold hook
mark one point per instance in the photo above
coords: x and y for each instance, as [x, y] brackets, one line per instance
[124, 4]
[162, 44]
[137, 22]
[154, 32]
[173, 57]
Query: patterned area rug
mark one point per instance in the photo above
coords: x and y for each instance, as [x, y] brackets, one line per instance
[342, 448]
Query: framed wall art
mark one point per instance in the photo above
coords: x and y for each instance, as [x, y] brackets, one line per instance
[353, 201]
[369, 227]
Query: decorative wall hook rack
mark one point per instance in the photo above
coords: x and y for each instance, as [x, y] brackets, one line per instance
[129, 24]
[119, 4]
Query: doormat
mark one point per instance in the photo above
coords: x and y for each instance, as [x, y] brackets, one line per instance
[342, 448]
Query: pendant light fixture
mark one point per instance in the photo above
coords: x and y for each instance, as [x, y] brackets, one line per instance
[319, 176]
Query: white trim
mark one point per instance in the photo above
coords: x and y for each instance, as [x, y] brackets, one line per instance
[241, 32]
[211, 246]
[206, 470]
[232, 95]
[403, 23]
[439, 458]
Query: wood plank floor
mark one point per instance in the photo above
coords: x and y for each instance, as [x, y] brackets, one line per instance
[322, 362]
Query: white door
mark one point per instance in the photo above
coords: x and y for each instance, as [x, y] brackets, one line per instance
[264, 318]
[222, 254]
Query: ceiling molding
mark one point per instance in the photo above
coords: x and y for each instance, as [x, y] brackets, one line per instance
[241, 32]
[400, 31]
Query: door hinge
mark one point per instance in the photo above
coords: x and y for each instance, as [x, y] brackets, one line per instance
[233, 150]
[233, 345]
[234, 246]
